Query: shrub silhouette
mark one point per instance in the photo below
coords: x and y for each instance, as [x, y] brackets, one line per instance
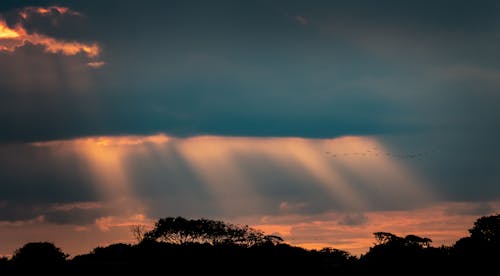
[39, 257]
[35, 253]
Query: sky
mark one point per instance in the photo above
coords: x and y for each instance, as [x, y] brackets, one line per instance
[319, 121]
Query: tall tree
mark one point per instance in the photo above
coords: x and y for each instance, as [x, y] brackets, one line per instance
[487, 229]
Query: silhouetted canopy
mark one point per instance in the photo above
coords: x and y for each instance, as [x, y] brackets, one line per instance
[180, 230]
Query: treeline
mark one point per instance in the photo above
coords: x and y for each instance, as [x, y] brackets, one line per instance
[203, 246]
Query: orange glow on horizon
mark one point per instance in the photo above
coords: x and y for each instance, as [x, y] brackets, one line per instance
[438, 222]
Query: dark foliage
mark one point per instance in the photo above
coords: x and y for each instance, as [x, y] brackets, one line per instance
[212, 247]
[479, 252]
[39, 257]
[182, 231]
[407, 255]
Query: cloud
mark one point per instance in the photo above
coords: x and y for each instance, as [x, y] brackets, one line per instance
[27, 12]
[107, 141]
[291, 206]
[235, 176]
[353, 219]
[474, 209]
[96, 64]
[77, 205]
[77, 217]
[332, 81]
[12, 39]
[223, 176]
[105, 224]
[16, 34]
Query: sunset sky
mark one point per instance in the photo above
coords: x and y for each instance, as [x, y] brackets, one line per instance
[319, 121]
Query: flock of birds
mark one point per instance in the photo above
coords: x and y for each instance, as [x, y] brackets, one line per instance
[375, 152]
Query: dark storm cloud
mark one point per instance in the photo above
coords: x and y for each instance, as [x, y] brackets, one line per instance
[54, 21]
[227, 68]
[458, 166]
[75, 216]
[44, 95]
[21, 212]
[31, 174]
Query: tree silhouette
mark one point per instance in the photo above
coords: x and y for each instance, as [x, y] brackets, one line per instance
[480, 251]
[384, 238]
[4, 265]
[394, 254]
[487, 230]
[138, 231]
[40, 257]
[39, 253]
[416, 241]
[179, 230]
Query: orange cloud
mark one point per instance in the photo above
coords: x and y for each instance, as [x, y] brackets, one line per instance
[107, 141]
[27, 11]
[15, 37]
[96, 64]
[6, 32]
[11, 39]
[106, 223]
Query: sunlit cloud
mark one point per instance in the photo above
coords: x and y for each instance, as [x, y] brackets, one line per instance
[6, 32]
[12, 38]
[107, 141]
[106, 223]
[350, 170]
[28, 11]
[106, 157]
[96, 64]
